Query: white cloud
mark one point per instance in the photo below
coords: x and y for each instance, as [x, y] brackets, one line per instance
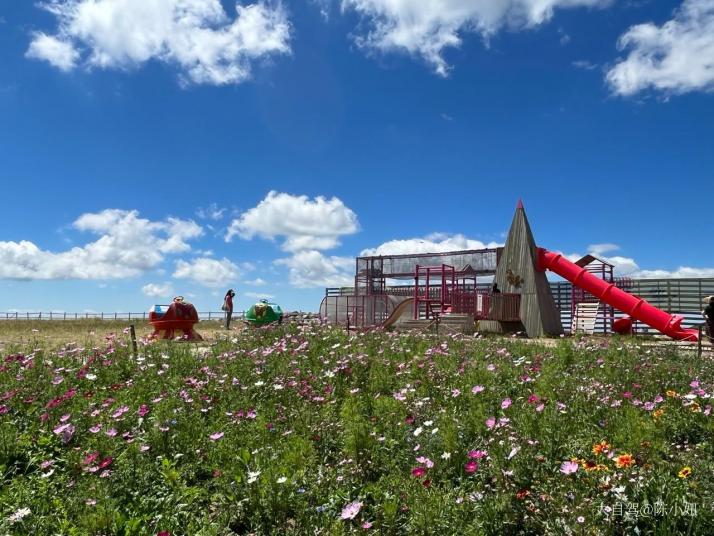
[309, 269]
[676, 57]
[211, 212]
[127, 246]
[628, 267]
[427, 27]
[58, 53]
[154, 290]
[256, 282]
[600, 249]
[585, 65]
[259, 296]
[304, 224]
[207, 272]
[197, 36]
[433, 243]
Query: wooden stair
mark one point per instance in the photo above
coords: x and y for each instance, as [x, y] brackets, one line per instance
[448, 323]
[585, 317]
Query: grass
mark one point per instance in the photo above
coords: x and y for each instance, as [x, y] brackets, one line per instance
[88, 331]
[309, 430]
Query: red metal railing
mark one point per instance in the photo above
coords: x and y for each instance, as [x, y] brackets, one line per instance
[445, 276]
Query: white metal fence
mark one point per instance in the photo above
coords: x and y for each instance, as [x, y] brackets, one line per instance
[209, 315]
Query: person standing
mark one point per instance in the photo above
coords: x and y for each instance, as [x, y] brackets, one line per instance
[708, 314]
[228, 306]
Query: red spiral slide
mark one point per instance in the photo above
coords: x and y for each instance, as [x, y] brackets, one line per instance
[637, 308]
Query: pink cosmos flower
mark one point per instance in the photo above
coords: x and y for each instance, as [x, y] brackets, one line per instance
[367, 525]
[216, 436]
[90, 458]
[111, 432]
[418, 472]
[476, 454]
[61, 428]
[65, 417]
[351, 510]
[143, 410]
[476, 389]
[471, 466]
[94, 429]
[506, 403]
[568, 468]
[491, 422]
[106, 462]
[540, 407]
[533, 399]
[426, 461]
[119, 412]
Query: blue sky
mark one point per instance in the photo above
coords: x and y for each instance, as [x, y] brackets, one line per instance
[134, 143]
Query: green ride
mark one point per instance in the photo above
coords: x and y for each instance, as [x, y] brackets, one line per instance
[263, 313]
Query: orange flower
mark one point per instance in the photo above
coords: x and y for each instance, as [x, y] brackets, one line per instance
[624, 460]
[671, 393]
[685, 472]
[695, 407]
[601, 448]
[657, 413]
[522, 494]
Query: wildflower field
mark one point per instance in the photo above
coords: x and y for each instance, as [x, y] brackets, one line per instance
[311, 430]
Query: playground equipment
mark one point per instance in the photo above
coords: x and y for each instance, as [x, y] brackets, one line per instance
[264, 312]
[445, 285]
[167, 320]
[636, 308]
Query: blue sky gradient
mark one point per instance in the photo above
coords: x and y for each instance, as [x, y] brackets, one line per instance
[529, 115]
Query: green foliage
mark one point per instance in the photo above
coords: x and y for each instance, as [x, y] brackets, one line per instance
[281, 430]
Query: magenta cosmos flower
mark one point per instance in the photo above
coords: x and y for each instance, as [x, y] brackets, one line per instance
[351, 510]
[471, 466]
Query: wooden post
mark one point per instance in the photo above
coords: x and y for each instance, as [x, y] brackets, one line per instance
[134, 348]
[699, 342]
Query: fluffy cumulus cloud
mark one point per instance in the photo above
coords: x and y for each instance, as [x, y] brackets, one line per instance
[310, 269]
[628, 267]
[302, 223]
[153, 290]
[197, 36]
[427, 27]
[128, 245]
[674, 58]
[58, 53]
[207, 272]
[434, 243]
